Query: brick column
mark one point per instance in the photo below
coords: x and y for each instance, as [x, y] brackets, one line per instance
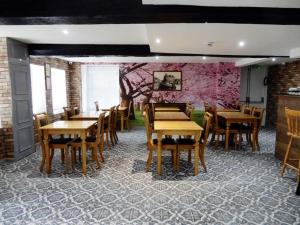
[6, 132]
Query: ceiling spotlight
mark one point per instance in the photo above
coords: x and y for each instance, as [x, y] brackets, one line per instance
[65, 32]
[204, 57]
[273, 59]
[157, 57]
[157, 40]
[241, 43]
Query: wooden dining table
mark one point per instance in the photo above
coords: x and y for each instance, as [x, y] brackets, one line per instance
[66, 127]
[121, 111]
[177, 128]
[238, 118]
[167, 109]
[91, 115]
[171, 116]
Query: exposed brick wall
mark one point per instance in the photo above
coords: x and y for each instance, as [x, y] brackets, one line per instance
[281, 78]
[75, 83]
[6, 134]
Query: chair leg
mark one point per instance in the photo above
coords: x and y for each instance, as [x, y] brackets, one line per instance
[240, 140]
[67, 159]
[217, 141]
[149, 160]
[43, 158]
[74, 150]
[95, 156]
[62, 156]
[286, 157]
[174, 158]
[111, 138]
[201, 156]
[51, 156]
[79, 154]
[177, 160]
[190, 156]
[257, 143]
[101, 147]
[107, 140]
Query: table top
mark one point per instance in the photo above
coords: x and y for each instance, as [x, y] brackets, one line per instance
[176, 126]
[228, 110]
[235, 115]
[88, 115]
[69, 125]
[121, 108]
[167, 109]
[175, 116]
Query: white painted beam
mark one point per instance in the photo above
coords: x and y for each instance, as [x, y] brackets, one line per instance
[249, 61]
[295, 53]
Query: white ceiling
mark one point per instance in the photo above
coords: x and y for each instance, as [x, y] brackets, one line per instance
[78, 34]
[193, 38]
[230, 3]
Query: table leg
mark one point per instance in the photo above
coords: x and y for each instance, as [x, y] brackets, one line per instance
[254, 136]
[122, 121]
[159, 153]
[47, 153]
[83, 155]
[196, 154]
[227, 136]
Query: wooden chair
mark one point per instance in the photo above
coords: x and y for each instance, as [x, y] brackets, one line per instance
[248, 110]
[115, 124]
[293, 125]
[92, 142]
[97, 106]
[189, 110]
[248, 129]
[75, 110]
[108, 128]
[188, 144]
[61, 143]
[167, 143]
[68, 112]
[220, 129]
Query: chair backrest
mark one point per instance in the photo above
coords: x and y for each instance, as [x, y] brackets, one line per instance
[111, 117]
[189, 109]
[116, 116]
[150, 113]
[68, 113]
[147, 123]
[100, 128]
[97, 105]
[248, 110]
[75, 110]
[293, 122]
[259, 113]
[40, 120]
[206, 124]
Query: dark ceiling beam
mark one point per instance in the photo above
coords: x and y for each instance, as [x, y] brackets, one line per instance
[133, 12]
[81, 50]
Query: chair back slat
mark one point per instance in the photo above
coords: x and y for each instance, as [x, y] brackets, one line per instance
[100, 128]
[206, 124]
[41, 119]
[68, 112]
[97, 105]
[248, 110]
[293, 122]
[259, 113]
[147, 123]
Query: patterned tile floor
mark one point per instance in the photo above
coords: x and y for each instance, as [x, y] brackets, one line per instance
[240, 187]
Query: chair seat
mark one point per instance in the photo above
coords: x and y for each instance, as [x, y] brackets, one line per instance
[88, 139]
[185, 141]
[165, 141]
[60, 141]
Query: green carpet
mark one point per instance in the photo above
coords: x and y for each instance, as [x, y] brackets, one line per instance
[197, 116]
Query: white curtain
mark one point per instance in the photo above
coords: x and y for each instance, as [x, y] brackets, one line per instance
[100, 83]
[38, 88]
[59, 90]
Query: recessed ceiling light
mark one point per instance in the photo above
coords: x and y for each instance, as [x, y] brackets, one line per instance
[157, 57]
[157, 40]
[65, 32]
[273, 59]
[204, 57]
[241, 43]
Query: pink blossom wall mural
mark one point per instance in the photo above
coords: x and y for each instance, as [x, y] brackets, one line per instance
[215, 83]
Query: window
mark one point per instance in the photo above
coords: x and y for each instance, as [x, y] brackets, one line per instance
[59, 90]
[38, 89]
[100, 83]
